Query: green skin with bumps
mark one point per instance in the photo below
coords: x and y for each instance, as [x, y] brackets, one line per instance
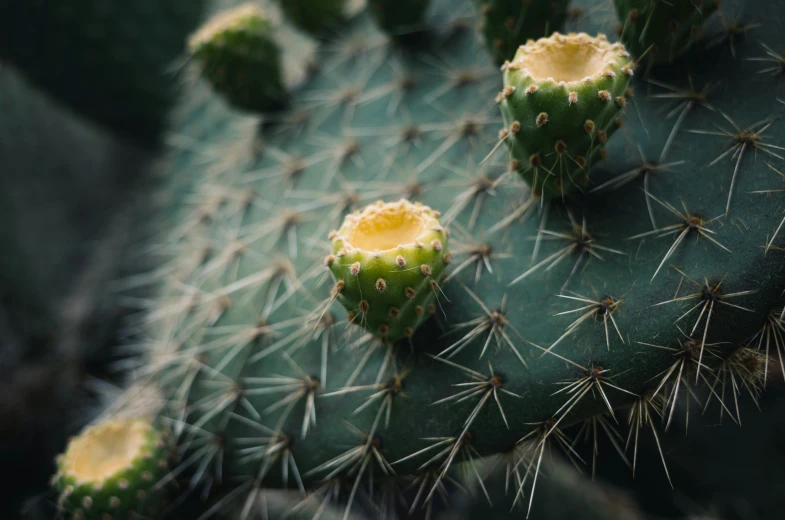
[391, 292]
[237, 324]
[561, 136]
[314, 16]
[506, 24]
[664, 29]
[399, 18]
[127, 493]
[242, 62]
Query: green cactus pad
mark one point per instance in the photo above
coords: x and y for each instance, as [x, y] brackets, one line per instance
[110, 470]
[399, 18]
[314, 16]
[664, 29]
[561, 101]
[506, 24]
[240, 59]
[386, 261]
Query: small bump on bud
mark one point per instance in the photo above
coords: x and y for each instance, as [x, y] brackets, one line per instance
[328, 260]
[531, 89]
[621, 101]
[572, 98]
[447, 258]
[560, 147]
[393, 312]
[604, 95]
[418, 310]
[364, 306]
[535, 160]
[515, 127]
[410, 293]
[542, 119]
[431, 308]
[400, 261]
[381, 285]
[602, 136]
[425, 270]
[588, 126]
[383, 329]
[436, 245]
[338, 288]
[408, 332]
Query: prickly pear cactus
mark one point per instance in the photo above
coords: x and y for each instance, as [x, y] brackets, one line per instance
[604, 307]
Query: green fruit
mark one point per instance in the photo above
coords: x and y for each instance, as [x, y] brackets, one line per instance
[237, 54]
[561, 101]
[386, 261]
[110, 470]
[507, 24]
[661, 30]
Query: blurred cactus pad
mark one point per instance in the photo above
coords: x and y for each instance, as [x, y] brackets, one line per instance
[608, 305]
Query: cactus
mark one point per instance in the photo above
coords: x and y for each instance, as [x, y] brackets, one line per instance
[110, 470]
[560, 100]
[610, 302]
[661, 30]
[240, 59]
[506, 24]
